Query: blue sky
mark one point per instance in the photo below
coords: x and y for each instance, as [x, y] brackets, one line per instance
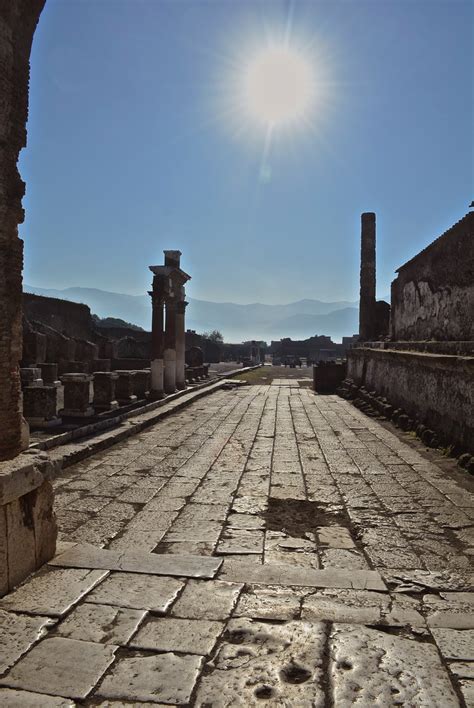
[134, 144]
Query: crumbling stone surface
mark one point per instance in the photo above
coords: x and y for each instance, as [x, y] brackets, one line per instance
[18, 20]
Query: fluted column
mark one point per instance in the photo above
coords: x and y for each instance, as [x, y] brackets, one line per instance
[157, 346]
[169, 357]
[180, 344]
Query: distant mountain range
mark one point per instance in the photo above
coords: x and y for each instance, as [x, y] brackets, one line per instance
[237, 323]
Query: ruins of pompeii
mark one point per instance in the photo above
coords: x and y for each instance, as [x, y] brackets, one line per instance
[186, 522]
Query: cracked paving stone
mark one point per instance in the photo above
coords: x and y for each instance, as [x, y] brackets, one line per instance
[334, 537]
[18, 633]
[166, 678]
[250, 505]
[52, 592]
[82, 556]
[287, 575]
[450, 610]
[462, 669]
[370, 667]
[25, 699]
[405, 580]
[186, 636]
[137, 591]
[279, 663]
[61, 667]
[104, 624]
[350, 606]
[343, 558]
[209, 599]
[245, 521]
[269, 603]
[241, 541]
[455, 643]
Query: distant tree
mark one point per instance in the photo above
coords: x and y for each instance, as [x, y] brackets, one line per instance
[214, 336]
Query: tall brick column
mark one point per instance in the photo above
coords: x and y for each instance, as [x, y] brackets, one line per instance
[157, 339]
[367, 313]
[180, 344]
[18, 20]
[169, 356]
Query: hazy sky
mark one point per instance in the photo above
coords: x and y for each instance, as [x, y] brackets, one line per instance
[140, 138]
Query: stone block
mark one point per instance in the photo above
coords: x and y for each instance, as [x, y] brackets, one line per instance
[76, 395]
[21, 547]
[104, 390]
[124, 387]
[40, 406]
[44, 522]
[30, 376]
[141, 592]
[186, 636]
[104, 624]
[142, 383]
[19, 633]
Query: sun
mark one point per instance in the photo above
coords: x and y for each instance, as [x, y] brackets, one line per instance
[277, 87]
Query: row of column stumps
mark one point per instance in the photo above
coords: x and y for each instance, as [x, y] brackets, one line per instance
[168, 326]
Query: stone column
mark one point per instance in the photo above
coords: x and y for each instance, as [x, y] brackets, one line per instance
[76, 396]
[157, 344]
[367, 314]
[169, 357]
[180, 344]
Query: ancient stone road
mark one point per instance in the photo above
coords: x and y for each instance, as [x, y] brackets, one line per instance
[312, 559]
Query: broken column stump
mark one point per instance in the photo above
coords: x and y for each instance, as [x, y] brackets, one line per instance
[124, 388]
[104, 391]
[40, 406]
[142, 383]
[76, 396]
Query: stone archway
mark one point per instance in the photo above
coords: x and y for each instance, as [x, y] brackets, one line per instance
[18, 20]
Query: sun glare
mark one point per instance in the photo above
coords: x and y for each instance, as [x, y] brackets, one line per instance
[278, 87]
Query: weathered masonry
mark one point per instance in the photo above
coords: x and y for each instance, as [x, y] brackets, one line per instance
[424, 370]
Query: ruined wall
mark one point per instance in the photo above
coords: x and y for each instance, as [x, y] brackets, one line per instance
[70, 318]
[18, 19]
[433, 295]
[434, 389]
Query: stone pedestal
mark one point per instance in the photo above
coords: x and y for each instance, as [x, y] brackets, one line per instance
[104, 391]
[40, 406]
[27, 523]
[31, 376]
[49, 374]
[180, 344]
[124, 387]
[141, 383]
[76, 396]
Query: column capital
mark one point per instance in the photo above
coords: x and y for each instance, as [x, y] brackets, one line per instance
[181, 306]
[157, 298]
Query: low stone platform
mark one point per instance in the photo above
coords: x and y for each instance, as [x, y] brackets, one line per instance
[265, 545]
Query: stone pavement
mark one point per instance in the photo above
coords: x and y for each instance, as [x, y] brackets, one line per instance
[263, 546]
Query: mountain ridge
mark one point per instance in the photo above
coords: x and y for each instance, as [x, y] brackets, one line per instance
[237, 321]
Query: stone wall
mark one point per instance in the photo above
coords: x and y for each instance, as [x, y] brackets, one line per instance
[435, 390]
[433, 295]
[18, 19]
[70, 318]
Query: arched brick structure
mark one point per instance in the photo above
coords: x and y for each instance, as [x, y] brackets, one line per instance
[18, 20]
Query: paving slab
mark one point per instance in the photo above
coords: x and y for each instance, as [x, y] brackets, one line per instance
[270, 603]
[137, 591]
[18, 633]
[165, 678]
[52, 591]
[186, 636]
[208, 599]
[104, 624]
[455, 643]
[11, 698]
[370, 667]
[281, 664]
[149, 563]
[287, 575]
[61, 667]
